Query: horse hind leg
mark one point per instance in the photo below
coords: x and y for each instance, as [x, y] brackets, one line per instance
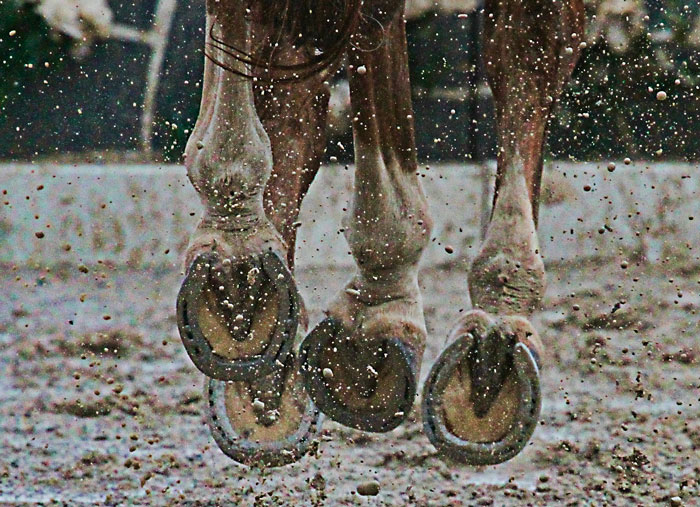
[294, 116]
[238, 307]
[361, 363]
[481, 400]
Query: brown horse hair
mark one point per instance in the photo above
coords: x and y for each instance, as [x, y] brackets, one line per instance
[289, 17]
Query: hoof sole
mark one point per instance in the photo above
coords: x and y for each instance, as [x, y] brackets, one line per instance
[369, 386]
[233, 426]
[449, 420]
[222, 350]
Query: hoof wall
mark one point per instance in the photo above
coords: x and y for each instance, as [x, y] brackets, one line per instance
[450, 421]
[236, 320]
[369, 385]
[237, 428]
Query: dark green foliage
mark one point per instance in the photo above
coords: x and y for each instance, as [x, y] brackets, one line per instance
[609, 109]
[619, 94]
[32, 44]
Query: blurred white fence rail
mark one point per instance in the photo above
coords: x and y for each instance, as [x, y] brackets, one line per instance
[143, 215]
[84, 20]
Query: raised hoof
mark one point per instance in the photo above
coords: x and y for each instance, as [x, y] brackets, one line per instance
[275, 433]
[366, 384]
[449, 410]
[236, 320]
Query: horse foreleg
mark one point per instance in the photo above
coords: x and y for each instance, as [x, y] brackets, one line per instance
[238, 307]
[482, 397]
[361, 362]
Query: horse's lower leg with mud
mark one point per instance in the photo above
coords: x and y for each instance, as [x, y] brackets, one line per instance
[238, 308]
[482, 398]
[361, 363]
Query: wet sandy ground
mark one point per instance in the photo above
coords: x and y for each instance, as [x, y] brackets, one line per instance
[99, 403]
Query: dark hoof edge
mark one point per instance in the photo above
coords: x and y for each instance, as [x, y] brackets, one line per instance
[324, 398]
[196, 344]
[260, 454]
[480, 453]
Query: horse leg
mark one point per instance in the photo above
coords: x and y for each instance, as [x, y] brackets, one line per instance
[294, 116]
[361, 362]
[481, 401]
[238, 306]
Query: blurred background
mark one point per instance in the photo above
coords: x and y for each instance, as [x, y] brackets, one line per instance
[94, 80]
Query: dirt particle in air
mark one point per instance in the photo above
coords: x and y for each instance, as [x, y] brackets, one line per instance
[370, 488]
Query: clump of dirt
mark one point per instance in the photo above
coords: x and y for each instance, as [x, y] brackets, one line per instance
[110, 342]
[614, 320]
[92, 458]
[589, 311]
[683, 356]
[81, 408]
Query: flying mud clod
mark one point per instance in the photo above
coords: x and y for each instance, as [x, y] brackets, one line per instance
[481, 400]
[265, 423]
[237, 318]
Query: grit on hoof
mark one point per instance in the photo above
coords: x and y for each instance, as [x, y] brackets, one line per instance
[361, 363]
[264, 423]
[481, 401]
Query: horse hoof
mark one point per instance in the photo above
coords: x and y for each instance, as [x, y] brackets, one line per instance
[491, 430]
[366, 384]
[237, 319]
[270, 434]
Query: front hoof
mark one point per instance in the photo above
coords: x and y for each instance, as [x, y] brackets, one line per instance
[276, 432]
[467, 428]
[237, 319]
[366, 383]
